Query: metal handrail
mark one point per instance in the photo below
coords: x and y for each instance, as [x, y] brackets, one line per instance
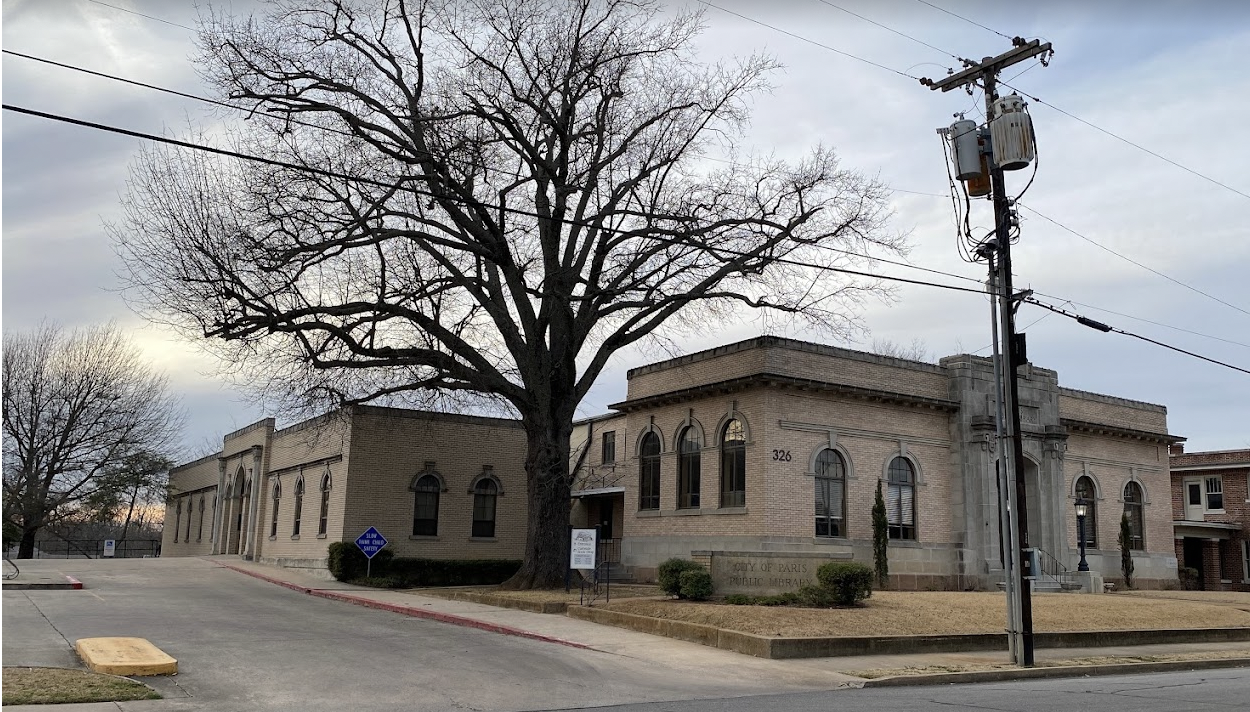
[1052, 568]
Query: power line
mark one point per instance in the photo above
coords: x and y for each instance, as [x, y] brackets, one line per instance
[809, 41]
[952, 14]
[140, 14]
[1138, 146]
[956, 57]
[1144, 320]
[1099, 326]
[1129, 259]
[483, 205]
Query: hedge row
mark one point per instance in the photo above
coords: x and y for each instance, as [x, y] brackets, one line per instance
[348, 563]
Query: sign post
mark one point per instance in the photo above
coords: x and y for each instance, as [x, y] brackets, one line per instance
[371, 542]
[110, 548]
[582, 549]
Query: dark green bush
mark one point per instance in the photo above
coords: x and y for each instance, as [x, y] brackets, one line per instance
[739, 599]
[696, 584]
[380, 582]
[347, 562]
[1190, 578]
[816, 596]
[668, 575]
[453, 572]
[849, 582]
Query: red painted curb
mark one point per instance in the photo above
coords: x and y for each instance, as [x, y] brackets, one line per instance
[74, 583]
[409, 610]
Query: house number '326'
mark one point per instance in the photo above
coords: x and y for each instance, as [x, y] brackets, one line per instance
[781, 455]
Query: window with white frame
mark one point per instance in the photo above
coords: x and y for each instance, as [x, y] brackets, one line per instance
[1214, 487]
[1245, 560]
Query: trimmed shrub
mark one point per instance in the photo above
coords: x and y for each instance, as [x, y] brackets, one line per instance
[453, 572]
[1190, 578]
[739, 599]
[849, 582]
[817, 596]
[380, 582]
[668, 575]
[696, 584]
[347, 562]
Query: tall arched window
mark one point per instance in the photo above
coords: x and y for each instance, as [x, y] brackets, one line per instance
[688, 474]
[190, 516]
[178, 520]
[299, 505]
[900, 501]
[199, 533]
[484, 495]
[649, 472]
[273, 520]
[1133, 502]
[323, 518]
[830, 494]
[1085, 491]
[733, 465]
[425, 506]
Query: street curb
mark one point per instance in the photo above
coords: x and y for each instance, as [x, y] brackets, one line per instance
[409, 610]
[1036, 673]
[74, 583]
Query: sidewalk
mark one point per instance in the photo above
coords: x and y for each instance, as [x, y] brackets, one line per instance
[562, 630]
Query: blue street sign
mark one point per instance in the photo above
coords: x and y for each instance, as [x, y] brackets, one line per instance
[371, 542]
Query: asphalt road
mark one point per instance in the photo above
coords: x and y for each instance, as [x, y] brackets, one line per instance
[244, 644]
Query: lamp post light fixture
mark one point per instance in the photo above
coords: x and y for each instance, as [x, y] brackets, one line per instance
[1082, 511]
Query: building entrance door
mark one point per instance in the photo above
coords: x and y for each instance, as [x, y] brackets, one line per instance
[1193, 499]
[1193, 555]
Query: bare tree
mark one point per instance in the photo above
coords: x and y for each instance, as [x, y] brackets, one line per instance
[75, 407]
[916, 351]
[481, 201]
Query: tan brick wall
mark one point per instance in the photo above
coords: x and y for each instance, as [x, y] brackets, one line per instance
[389, 447]
[1109, 410]
[188, 484]
[309, 451]
[1112, 462]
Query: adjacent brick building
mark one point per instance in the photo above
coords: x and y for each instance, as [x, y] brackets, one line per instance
[767, 445]
[1211, 509]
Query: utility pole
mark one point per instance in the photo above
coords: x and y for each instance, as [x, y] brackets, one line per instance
[987, 72]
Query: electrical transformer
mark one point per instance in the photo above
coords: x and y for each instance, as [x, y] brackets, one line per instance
[1011, 134]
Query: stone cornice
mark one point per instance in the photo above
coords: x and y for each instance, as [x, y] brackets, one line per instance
[765, 380]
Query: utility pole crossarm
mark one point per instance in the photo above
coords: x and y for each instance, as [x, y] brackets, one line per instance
[991, 65]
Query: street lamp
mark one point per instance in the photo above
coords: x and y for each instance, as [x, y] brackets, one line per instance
[1082, 511]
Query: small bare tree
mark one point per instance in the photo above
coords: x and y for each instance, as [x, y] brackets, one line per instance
[76, 406]
[484, 200]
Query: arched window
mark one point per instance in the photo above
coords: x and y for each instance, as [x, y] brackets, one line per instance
[323, 518]
[199, 533]
[688, 447]
[900, 501]
[733, 465]
[649, 472]
[484, 495]
[178, 520]
[1085, 491]
[190, 516]
[830, 494]
[299, 505]
[1133, 501]
[273, 521]
[425, 506]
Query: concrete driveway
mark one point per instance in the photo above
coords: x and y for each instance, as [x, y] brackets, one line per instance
[243, 644]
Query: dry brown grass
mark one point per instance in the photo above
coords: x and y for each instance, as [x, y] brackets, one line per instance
[42, 686]
[947, 613]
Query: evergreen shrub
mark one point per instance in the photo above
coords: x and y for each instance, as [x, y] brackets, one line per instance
[848, 582]
[668, 574]
[696, 584]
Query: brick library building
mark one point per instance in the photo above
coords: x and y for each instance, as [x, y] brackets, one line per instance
[768, 446]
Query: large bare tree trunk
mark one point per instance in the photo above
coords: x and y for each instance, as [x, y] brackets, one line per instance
[546, 537]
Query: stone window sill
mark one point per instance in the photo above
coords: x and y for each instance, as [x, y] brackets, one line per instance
[648, 513]
[906, 543]
[483, 539]
[727, 510]
[833, 540]
[425, 537]
[295, 537]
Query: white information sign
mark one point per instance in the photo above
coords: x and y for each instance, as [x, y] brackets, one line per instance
[110, 548]
[582, 549]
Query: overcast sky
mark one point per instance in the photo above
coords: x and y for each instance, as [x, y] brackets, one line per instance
[1168, 76]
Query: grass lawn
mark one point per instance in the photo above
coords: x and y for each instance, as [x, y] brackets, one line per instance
[947, 613]
[45, 686]
[617, 591]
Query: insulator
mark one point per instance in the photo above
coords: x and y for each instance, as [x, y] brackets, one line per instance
[1011, 134]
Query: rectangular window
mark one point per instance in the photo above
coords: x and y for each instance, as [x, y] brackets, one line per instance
[1215, 493]
[609, 447]
[1245, 560]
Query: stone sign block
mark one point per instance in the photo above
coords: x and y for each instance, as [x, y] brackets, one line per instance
[764, 573]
